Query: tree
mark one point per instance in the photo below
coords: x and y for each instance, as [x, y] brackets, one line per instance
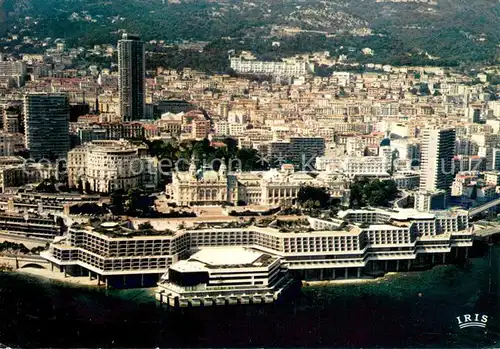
[146, 228]
[313, 197]
[79, 186]
[145, 225]
[88, 189]
[135, 196]
[47, 186]
[118, 201]
[373, 193]
[424, 89]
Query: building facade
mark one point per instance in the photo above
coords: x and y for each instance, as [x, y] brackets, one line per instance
[110, 165]
[223, 275]
[46, 118]
[267, 188]
[14, 71]
[11, 120]
[299, 151]
[9, 143]
[286, 68]
[436, 161]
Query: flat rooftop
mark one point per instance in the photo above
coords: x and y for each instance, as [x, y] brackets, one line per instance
[226, 256]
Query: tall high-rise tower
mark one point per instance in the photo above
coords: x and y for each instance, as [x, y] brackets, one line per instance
[46, 120]
[436, 160]
[131, 77]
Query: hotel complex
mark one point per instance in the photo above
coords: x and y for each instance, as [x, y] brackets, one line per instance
[357, 242]
[286, 68]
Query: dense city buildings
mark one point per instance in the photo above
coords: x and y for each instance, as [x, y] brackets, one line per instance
[46, 119]
[340, 159]
[223, 188]
[131, 70]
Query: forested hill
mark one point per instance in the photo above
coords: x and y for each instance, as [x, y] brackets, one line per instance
[448, 31]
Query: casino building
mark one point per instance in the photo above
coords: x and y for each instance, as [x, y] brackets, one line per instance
[266, 188]
[358, 242]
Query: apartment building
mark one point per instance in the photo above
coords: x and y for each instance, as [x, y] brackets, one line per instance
[14, 71]
[200, 129]
[11, 120]
[299, 151]
[131, 70]
[436, 161]
[10, 143]
[31, 225]
[286, 68]
[46, 118]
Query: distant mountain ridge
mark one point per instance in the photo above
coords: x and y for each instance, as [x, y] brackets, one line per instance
[448, 29]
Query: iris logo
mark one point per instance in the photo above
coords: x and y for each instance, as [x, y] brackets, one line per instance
[474, 320]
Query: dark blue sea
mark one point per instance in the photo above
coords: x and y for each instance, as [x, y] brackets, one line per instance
[405, 310]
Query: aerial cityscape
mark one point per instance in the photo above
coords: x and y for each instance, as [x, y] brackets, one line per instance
[249, 174]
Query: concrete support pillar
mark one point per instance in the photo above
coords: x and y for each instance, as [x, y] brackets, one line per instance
[142, 280]
[456, 252]
[51, 266]
[433, 258]
[444, 258]
[321, 274]
[334, 274]
[346, 273]
[124, 280]
[409, 264]
[64, 270]
[98, 280]
[359, 273]
[386, 266]
[106, 282]
[90, 275]
[397, 265]
[466, 252]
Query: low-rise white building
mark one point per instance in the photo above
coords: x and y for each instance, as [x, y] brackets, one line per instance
[287, 68]
[223, 275]
[267, 188]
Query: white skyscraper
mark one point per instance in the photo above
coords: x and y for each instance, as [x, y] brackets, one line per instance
[436, 160]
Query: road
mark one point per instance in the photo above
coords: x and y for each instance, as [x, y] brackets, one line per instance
[487, 231]
[28, 242]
